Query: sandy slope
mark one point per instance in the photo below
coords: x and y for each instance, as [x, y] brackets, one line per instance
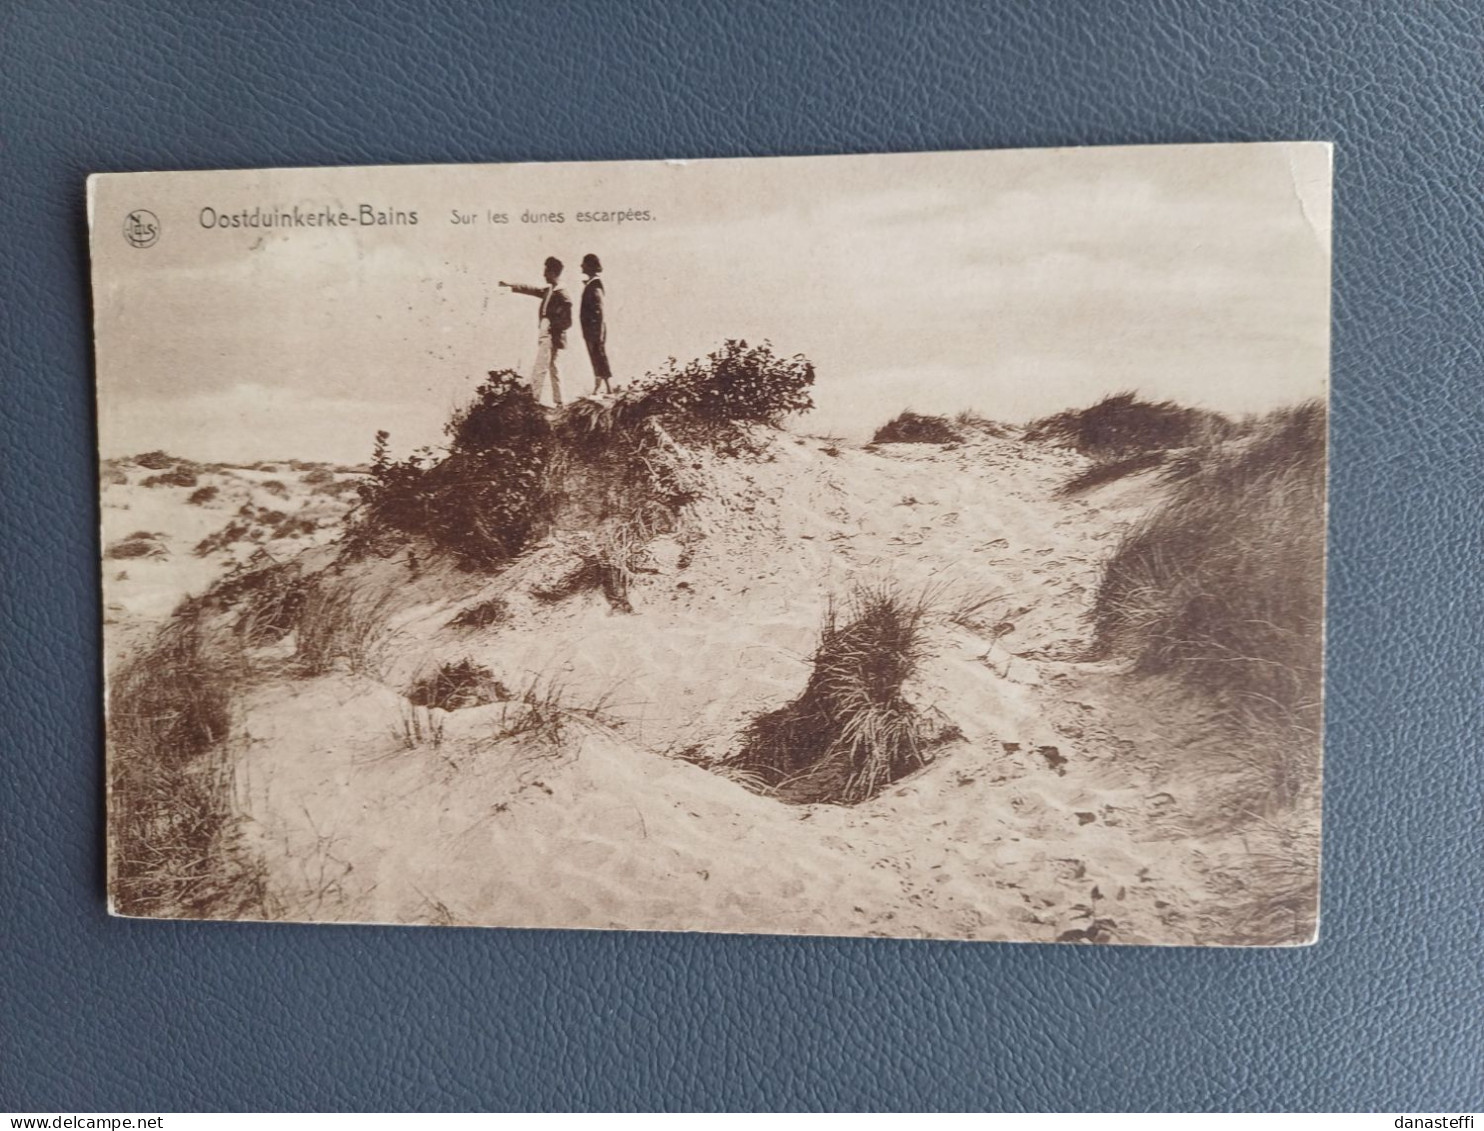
[1078, 800]
[143, 589]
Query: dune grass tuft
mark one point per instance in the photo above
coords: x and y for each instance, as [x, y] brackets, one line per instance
[851, 732]
[339, 622]
[970, 421]
[453, 686]
[540, 716]
[909, 427]
[1100, 473]
[1121, 425]
[140, 544]
[174, 838]
[268, 601]
[1223, 584]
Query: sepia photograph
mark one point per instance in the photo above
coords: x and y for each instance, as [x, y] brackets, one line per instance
[917, 545]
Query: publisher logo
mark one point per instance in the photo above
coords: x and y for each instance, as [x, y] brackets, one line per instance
[141, 227]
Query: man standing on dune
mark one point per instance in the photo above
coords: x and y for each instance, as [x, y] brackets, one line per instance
[553, 320]
[594, 323]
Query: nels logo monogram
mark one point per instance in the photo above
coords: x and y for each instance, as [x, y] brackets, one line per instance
[141, 227]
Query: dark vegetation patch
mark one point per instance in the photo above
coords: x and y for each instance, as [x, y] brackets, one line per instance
[257, 525]
[737, 384]
[484, 499]
[140, 544]
[495, 610]
[1101, 473]
[175, 477]
[914, 428]
[173, 471]
[275, 487]
[1223, 585]
[851, 733]
[229, 535]
[295, 526]
[110, 474]
[317, 475]
[1055, 759]
[203, 495]
[1121, 425]
[970, 421]
[452, 687]
[268, 602]
[514, 470]
[174, 846]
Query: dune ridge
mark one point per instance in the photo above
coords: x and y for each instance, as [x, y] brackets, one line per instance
[590, 780]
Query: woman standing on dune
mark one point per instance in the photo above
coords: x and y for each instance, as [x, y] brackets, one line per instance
[594, 323]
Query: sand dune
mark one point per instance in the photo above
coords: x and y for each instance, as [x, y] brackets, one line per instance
[1077, 803]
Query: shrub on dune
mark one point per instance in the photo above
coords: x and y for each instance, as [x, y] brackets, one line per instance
[514, 469]
[482, 500]
[737, 384]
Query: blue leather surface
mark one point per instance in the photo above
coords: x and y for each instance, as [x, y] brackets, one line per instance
[1384, 1013]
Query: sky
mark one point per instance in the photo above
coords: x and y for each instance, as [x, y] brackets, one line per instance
[1016, 283]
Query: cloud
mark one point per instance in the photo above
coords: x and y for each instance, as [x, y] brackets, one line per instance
[1016, 283]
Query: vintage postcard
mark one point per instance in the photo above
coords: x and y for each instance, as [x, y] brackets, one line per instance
[926, 545]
